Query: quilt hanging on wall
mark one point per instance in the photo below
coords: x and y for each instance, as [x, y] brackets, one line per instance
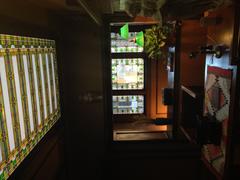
[29, 97]
[217, 101]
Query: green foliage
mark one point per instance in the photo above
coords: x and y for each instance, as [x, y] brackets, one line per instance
[155, 40]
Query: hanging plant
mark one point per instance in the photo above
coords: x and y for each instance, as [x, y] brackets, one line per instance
[156, 39]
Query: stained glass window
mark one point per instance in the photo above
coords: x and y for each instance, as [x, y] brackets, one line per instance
[19, 98]
[54, 81]
[132, 104]
[28, 91]
[29, 97]
[43, 86]
[120, 45]
[49, 85]
[36, 92]
[6, 104]
[127, 74]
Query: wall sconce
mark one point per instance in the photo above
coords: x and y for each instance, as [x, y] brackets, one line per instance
[216, 51]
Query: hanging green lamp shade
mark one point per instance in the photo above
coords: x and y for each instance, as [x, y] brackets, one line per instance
[124, 31]
[140, 39]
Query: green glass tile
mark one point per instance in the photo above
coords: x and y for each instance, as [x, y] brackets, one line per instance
[25, 151]
[2, 177]
[14, 162]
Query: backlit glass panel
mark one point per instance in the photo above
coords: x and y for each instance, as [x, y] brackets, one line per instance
[49, 84]
[26, 97]
[19, 97]
[127, 74]
[120, 45]
[43, 86]
[132, 104]
[6, 100]
[29, 99]
[36, 88]
[54, 82]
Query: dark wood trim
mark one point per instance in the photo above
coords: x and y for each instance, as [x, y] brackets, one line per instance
[132, 27]
[107, 77]
[128, 92]
[177, 78]
[232, 124]
[235, 49]
[128, 55]
[107, 88]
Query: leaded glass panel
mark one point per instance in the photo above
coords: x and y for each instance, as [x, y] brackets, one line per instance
[128, 74]
[36, 88]
[7, 106]
[26, 86]
[19, 97]
[120, 45]
[49, 84]
[43, 86]
[29, 99]
[54, 81]
[132, 104]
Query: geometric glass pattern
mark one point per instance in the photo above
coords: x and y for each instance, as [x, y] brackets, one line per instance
[120, 45]
[36, 85]
[19, 98]
[49, 85]
[43, 86]
[128, 74]
[29, 97]
[131, 104]
[28, 92]
[54, 81]
[6, 105]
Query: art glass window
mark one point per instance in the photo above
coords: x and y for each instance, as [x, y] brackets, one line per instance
[29, 97]
[120, 45]
[132, 104]
[127, 74]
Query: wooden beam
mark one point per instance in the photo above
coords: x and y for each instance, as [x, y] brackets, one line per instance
[95, 16]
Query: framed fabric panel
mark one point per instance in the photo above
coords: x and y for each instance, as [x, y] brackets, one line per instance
[216, 104]
[29, 101]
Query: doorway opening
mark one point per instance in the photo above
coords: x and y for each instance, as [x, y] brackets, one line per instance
[141, 87]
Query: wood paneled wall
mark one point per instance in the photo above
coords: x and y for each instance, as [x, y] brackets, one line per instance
[192, 37]
[157, 79]
[222, 33]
